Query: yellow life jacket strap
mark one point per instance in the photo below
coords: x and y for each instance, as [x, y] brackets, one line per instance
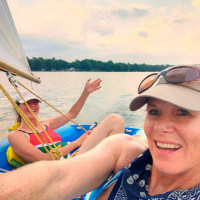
[14, 127]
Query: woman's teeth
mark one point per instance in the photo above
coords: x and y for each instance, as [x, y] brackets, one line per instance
[168, 147]
[31, 110]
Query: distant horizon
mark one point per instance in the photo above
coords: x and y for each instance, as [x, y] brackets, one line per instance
[98, 60]
[41, 64]
[139, 31]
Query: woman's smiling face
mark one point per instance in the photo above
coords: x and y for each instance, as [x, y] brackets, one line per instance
[33, 104]
[173, 135]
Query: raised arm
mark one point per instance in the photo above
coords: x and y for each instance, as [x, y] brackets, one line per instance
[76, 108]
[68, 179]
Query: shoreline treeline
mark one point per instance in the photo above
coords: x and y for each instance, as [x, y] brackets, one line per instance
[41, 64]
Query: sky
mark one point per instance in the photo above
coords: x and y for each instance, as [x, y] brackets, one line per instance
[127, 31]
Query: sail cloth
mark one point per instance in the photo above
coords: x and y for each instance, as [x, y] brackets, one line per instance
[12, 56]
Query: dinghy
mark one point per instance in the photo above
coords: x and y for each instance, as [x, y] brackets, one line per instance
[68, 133]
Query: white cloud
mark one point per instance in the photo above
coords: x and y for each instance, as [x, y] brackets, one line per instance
[192, 41]
[49, 19]
[143, 34]
[196, 3]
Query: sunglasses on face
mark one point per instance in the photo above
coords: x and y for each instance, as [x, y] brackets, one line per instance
[176, 75]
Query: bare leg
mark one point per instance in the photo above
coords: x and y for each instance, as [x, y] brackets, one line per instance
[111, 125]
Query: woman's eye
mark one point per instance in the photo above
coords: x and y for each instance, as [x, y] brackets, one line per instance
[183, 112]
[154, 112]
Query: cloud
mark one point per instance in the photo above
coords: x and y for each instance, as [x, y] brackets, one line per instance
[181, 15]
[111, 41]
[196, 3]
[143, 34]
[139, 12]
[162, 9]
[31, 46]
[42, 19]
[106, 29]
[192, 41]
[98, 21]
[151, 38]
[127, 12]
[180, 21]
[101, 27]
[121, 12]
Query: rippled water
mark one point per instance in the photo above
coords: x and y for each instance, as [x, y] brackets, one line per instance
[62, 89]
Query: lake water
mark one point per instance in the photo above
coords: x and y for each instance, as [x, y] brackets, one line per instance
[62, 89]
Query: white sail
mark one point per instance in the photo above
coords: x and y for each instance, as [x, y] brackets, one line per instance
[12, 56]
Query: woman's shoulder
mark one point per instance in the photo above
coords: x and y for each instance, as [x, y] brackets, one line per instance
[45, 122]
[16, 133]
[13, 133]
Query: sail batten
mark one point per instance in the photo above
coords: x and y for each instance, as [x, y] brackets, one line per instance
[12, 56]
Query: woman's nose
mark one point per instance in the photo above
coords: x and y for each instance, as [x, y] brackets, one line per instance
[164, 124]
[30, 104]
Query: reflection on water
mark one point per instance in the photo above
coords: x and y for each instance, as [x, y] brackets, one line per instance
[62, 89]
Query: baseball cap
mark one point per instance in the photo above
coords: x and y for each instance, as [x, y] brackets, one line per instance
[27, 96]
[183, 95]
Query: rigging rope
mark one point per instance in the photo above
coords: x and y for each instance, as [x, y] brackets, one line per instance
[55, 151]
[3, 170]
[28, 122]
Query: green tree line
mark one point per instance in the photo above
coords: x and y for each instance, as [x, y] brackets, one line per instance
[41, 64]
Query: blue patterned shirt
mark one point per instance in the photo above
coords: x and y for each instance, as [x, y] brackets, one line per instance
[133, 183]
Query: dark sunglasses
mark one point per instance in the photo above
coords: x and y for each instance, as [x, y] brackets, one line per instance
[175, 75]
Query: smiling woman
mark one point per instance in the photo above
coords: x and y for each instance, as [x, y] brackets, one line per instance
[173, 136]
[32, 101]
[170, 168]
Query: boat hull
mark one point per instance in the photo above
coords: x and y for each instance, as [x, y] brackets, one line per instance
[68, 133]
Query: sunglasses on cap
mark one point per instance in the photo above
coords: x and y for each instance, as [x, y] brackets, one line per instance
[175, 75]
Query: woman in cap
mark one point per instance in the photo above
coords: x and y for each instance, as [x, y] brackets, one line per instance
[170, 168]
[24, 142]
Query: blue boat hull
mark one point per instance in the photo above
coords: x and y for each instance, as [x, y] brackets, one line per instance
[68, 133]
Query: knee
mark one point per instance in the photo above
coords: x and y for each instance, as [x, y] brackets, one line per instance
[117, 119]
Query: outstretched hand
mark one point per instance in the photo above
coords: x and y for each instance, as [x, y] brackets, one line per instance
[91, 87]
[83, 137]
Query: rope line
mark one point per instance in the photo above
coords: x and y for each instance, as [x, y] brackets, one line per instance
[3, 170]
[75, 152]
